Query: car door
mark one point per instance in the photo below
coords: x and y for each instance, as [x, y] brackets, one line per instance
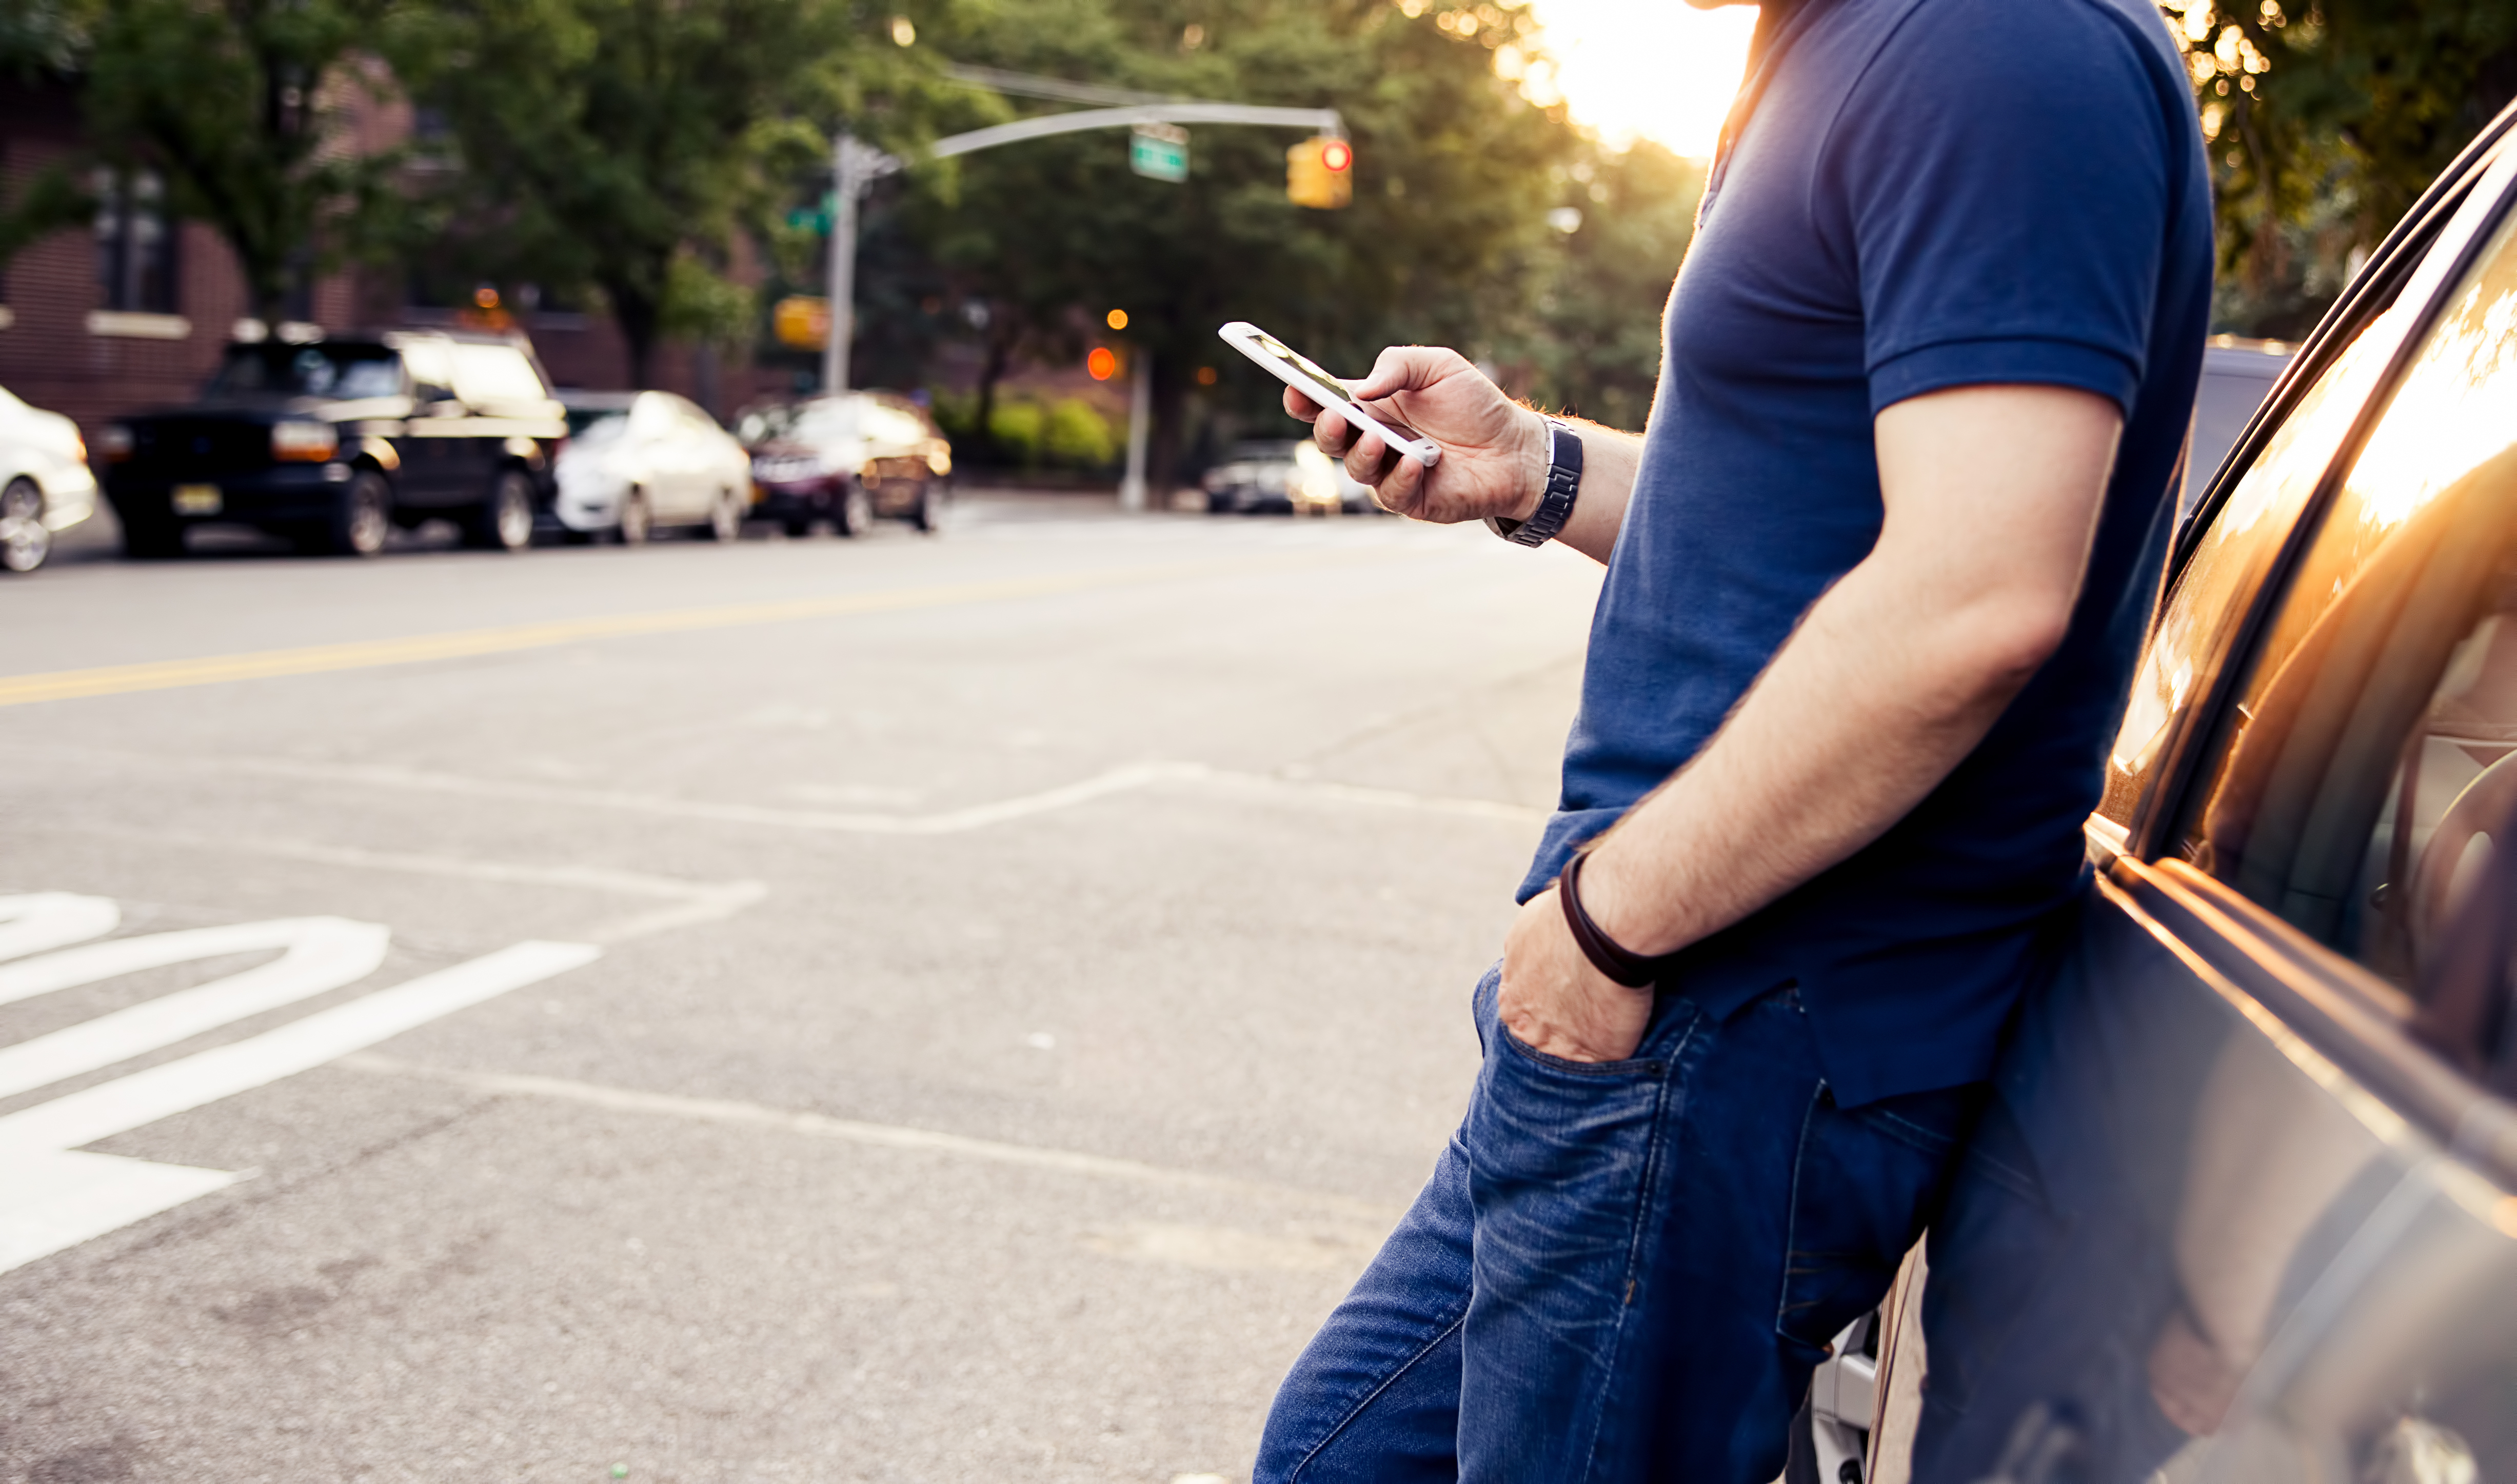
[2245, 1203]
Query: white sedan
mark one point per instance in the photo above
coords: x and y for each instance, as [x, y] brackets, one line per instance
[637, 462]
[45, 483]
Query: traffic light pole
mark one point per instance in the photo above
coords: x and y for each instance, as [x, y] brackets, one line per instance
[856, 165]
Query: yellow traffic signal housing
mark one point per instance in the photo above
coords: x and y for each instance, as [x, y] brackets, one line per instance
[1320, 172]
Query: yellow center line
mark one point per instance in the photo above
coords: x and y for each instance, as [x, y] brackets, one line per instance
[369, 653]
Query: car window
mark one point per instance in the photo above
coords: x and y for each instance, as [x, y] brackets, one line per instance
[496, 374]
[343, 371]
[2366, 759]
[429, 363]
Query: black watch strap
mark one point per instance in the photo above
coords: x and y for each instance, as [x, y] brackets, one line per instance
[1555, 502]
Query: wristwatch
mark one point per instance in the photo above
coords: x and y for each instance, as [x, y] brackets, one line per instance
[1555, 502]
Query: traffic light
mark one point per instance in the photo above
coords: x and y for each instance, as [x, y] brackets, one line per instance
[1320, 172]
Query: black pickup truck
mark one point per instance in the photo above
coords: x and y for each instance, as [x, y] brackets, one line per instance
[331, 443]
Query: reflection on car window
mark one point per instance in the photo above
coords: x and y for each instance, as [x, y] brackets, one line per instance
[2368, 758]
[308, 370]
[495, 373]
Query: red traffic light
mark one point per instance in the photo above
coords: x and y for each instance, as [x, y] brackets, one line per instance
[1335, 155]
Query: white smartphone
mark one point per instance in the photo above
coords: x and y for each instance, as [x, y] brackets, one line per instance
[1297, 370]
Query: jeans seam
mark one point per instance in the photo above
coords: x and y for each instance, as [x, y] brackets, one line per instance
[1906, 1132]
[1313, 1453]
[1792, 1215]
[1654, 1152]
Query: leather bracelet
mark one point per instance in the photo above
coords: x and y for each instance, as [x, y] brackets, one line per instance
[1626, 967]
[1556, 498]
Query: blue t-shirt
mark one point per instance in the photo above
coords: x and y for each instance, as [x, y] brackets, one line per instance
[1924, 194]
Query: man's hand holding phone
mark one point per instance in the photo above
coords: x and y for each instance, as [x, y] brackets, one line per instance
[1494, 451]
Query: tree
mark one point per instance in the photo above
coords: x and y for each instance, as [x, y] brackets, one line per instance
[1590, 342]
[1451, 190]
[619, 146]
[2326, 119]
[235, 104]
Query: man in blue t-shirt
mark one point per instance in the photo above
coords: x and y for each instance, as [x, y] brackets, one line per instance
[1877, 577]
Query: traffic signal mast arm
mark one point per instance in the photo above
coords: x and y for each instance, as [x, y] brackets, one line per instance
[1324, 120]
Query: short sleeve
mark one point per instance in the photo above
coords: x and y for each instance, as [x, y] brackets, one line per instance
[2000, 176]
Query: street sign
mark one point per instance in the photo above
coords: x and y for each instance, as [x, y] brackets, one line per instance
[1159, 152]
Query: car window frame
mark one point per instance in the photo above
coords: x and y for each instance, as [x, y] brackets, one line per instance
[2403, 266]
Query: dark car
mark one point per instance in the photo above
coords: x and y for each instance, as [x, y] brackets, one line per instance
[331, 443]
[846, 459]
[2244, 1204]
[1278, 475]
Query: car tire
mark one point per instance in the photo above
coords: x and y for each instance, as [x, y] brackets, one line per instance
[725, 517]
[637, 520]
[853, 516]
[927, 515]
[152, 540]
[503, 520]
[24, 540]
[798, 527]
[361, 517]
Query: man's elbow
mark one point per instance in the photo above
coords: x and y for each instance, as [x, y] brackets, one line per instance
[2005, 638]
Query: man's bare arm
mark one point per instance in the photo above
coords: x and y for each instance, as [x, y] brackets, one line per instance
[1992, 498]
[1494, 451]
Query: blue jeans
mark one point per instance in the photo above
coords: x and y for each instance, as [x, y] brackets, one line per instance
[1624, 1270]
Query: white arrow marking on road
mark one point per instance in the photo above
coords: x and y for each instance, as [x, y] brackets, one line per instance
[49, 920]
[323, 954]
[59, 1199]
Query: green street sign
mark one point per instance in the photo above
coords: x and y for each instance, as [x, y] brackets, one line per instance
[1159, 152]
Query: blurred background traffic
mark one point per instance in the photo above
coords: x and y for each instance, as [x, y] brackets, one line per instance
[1030, 217]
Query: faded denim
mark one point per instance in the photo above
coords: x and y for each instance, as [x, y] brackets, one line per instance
[1620, 1271]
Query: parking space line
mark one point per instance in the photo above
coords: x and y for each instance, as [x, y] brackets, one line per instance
[876, 1135]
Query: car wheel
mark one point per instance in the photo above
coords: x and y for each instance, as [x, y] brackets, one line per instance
[725, 517]
[798, 528]
[361, 519]
[855, 513]
[927, 515]
[152, 540]
[503, 520]
[24, 541]
[637, 522]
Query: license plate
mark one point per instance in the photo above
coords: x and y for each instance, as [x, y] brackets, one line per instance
[197, 499]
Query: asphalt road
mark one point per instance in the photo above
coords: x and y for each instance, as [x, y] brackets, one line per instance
[904, 1009]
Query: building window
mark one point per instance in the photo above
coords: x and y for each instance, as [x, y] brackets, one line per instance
[135, 243]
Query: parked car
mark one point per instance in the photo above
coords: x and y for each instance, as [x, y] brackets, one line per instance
[636, 461]
[2237, 374]
[332, 442]
[2244, 1205]
[847, 459]
[1288, 475]
[45, 484]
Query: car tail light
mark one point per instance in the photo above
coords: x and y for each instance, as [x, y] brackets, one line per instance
[308, 443]
[78, 446]
[117, 442]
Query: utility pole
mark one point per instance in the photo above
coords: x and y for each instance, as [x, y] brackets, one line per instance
[1140, 420]
[854, 166]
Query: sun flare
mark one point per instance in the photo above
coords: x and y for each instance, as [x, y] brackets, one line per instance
[1657, 69]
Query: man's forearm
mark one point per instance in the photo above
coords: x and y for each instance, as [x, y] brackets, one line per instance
[1892, 678]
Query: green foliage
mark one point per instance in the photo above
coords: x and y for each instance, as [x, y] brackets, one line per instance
[237, 105]
[2326, 119]
[616, 145]
[1590, 342]
[1078, 436]
[50, 202]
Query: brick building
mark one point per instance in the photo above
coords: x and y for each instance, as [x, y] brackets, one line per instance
[133, 310]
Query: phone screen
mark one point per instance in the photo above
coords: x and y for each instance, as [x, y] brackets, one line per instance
[1329, 385]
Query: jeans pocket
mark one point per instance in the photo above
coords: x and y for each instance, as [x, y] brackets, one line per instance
[1868, 1180]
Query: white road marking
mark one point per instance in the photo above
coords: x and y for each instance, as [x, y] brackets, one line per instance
[38, 921]
[324, 954]
[854, 1132]
[1123, 779]
[700, 900]
[205, 1076]
[129, 955]
[58, 1197]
